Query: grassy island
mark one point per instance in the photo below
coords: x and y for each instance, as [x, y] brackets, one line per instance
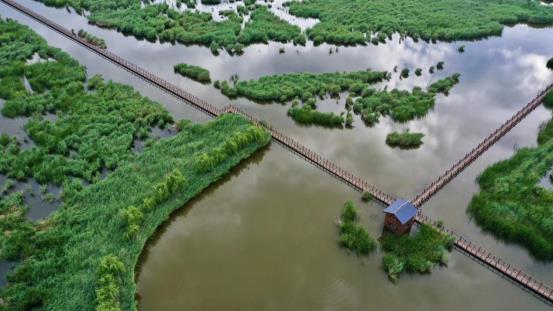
[512, 204]
[350, 22]
[196, 73]
[352, 235]
[417, 253]
[404, 140]
[286, 87]
[149, 21]
[401, 105]
[84, 255]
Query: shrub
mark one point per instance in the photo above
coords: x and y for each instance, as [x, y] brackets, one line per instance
[193, 72]
[550, 63]
[353, 236]
[417, 253]
[404, 140]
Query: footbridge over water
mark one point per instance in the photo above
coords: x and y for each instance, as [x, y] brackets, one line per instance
[481, 255]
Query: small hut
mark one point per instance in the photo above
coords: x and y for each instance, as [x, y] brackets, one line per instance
[400, 216]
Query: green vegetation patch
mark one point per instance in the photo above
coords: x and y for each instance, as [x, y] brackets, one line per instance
[307, 114]
[550, 63]
[401, 105]
[352, 235]
[404, 140]
[196, 73]
[149, 21]
[286, 87]
[358, 21]
[92, 39]
[96, 122]
[416, 253]
[61, 272]
[513, 205]
[83, 257]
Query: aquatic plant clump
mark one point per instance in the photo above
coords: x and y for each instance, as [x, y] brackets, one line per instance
[513, 205]
[416, 253]
[401, 105]
[286, 87]
[92, 39]
[404, 140]
[196, 73]
[352, 235]
[349, 22]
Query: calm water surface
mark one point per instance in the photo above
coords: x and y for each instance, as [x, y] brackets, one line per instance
[265, 238]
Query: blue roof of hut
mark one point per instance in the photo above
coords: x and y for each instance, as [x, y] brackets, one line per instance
[402, 209]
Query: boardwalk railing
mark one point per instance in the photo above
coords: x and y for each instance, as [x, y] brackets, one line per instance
[357, 183]
[313, 157]
[475, 153]
[485, 257]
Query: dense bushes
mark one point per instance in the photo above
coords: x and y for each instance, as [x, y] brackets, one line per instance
[360, 21]
[193, 72]
[207, 161]
[95, 127]
[264, 26]
[513, 205]
[401, 105]
[16, 232]
[109, 280]
[306, 114]
[352, 235]
[417, 253]
[286, 87]
[404, 140]
[550, 63]
[92, 39]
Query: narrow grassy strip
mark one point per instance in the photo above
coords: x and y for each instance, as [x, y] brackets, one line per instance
[417, 253]
[196, 73]
[404, 140]
[286, 87]
[512, 204]
[352, 235]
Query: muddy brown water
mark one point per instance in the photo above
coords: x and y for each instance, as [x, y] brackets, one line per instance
[265, 238]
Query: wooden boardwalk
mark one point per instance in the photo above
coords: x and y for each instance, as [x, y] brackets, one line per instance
[511, 272]
[213, 111]
[475, 153]
[480, 254]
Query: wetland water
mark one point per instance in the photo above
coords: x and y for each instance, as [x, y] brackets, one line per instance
[265, 238]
